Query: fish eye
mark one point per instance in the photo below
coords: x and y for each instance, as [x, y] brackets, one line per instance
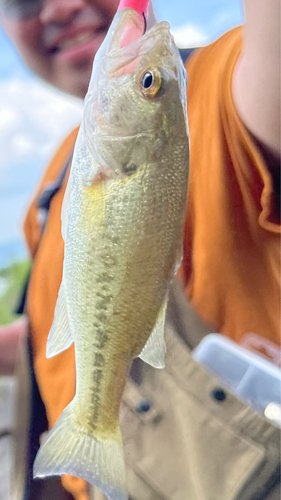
[151, 82]
[147, 80]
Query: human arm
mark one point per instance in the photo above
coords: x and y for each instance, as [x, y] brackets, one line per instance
[256, 81]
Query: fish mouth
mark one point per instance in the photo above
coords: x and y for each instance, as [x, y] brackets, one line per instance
[139, 45]
[127, 40]
[122, 60]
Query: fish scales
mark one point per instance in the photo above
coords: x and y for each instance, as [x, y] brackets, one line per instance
[127, 286]
[122, 218]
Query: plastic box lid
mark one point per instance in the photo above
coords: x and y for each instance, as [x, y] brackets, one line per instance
[249, 376]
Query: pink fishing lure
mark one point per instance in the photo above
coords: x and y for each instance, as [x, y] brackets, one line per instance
[139, 6]
[134, 30]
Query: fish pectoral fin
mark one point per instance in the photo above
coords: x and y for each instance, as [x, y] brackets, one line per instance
[154, 351]
[72, 449]
[60, 336]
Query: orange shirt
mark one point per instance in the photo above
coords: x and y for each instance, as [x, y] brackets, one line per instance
[231, 266]
[231, 244]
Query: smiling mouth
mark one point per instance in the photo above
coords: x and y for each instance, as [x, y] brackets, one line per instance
[77, 41]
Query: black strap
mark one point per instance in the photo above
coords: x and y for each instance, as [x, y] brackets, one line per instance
[20, 308]
[185, 54]
[45, 199]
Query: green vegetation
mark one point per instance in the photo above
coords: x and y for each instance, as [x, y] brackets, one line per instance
[12, 280]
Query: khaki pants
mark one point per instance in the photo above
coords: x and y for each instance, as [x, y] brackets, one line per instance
[190, 445]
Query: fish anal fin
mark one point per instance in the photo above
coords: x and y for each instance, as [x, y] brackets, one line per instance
[154, 351]
[60, 336]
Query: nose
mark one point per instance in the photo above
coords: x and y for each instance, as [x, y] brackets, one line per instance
[60, 11]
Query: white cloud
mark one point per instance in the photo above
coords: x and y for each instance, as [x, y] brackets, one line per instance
[7, 118]
[34, 120]
[190, 35]
[22, 144]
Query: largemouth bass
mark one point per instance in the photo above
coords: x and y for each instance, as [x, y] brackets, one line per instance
[122, 217]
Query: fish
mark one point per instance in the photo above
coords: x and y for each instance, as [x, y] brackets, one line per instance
[122, 219]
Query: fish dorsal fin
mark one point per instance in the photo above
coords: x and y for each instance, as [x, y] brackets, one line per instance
[154, 350]
[60, 336]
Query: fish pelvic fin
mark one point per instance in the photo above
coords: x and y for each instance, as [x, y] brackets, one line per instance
[154, 351]
[60, 336]
[69, 449]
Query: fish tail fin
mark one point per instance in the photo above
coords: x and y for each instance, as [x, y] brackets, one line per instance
[68, 449]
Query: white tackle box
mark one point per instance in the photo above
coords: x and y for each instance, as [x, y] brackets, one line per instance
[249, 376]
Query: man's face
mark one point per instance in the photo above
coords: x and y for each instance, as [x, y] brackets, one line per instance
[60, 41]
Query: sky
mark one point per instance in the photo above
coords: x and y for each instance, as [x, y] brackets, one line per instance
[34, 118]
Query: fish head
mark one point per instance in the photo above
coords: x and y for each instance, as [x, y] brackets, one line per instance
[136, 102]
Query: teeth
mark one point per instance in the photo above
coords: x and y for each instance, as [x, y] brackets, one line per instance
[76, 41]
